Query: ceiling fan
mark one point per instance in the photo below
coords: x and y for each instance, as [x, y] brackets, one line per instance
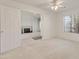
[56, 4]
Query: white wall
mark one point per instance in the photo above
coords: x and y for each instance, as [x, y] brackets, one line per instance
[47, 22]
[48, 19]
[60, 25]
[10, 25]
[0, 30]
[30, 20]
[48, 25]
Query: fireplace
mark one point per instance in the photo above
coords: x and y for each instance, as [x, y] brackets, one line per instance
[27, 29]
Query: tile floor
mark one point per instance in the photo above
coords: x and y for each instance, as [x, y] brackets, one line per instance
[45, 49]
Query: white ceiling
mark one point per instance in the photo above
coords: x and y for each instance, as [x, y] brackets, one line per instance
[34, 2]
[42, 3]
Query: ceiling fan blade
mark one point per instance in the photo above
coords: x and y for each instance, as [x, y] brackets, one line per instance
[47, 4]
[59, 2]
[61, 6]
[54, 1]
[44, 5]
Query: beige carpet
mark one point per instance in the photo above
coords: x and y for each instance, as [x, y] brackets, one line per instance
[45, 49]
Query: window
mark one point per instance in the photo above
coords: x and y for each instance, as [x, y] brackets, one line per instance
[71, 24]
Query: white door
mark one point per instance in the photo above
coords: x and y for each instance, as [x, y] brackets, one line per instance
[10, 27]
[0, 30]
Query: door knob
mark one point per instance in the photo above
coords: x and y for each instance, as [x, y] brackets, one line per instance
[1, 31]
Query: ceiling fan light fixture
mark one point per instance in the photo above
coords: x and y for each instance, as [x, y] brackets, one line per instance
[56, 4]
[52, 8]
[56, 7]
